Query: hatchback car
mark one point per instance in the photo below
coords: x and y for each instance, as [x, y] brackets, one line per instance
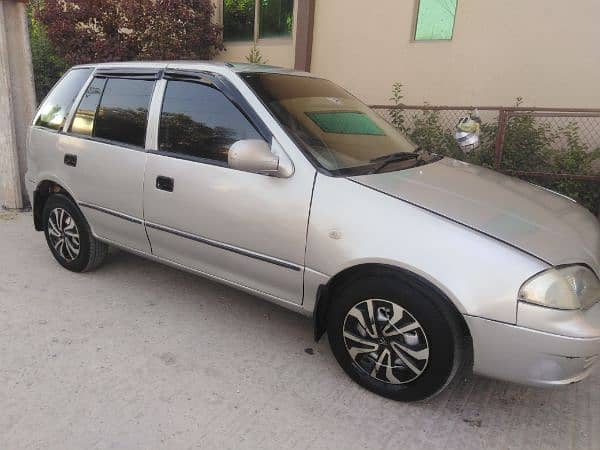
[284, 185]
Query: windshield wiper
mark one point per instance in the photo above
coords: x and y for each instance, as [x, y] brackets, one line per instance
[394, 157]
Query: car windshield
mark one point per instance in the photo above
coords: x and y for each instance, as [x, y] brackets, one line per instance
[336, 130]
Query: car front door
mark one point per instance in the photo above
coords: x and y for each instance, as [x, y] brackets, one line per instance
[104, 147]
[241, 227]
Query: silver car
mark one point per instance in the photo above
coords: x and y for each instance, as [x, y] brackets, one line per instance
[284, 185]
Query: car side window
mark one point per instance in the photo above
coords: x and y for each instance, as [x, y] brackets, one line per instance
[83, 122]
[199, 121]
[57, 105]
[123, 112]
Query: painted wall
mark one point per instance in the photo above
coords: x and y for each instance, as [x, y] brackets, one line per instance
[547, 51]
[276, 51]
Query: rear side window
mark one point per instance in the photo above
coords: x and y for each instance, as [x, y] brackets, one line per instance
[123, 112]
[197, 120]
[57, 105]
[83, 122]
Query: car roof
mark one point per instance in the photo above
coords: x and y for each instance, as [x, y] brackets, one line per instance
[197, 65]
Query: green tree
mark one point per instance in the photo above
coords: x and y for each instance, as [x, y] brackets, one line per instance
[90, 31]
[48, 67]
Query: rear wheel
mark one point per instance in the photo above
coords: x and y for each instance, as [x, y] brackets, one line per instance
[394, 336]
[69, 237]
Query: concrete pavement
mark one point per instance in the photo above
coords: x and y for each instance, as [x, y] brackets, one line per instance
[140, 356]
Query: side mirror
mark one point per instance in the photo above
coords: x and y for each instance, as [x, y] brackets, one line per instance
[253, 155]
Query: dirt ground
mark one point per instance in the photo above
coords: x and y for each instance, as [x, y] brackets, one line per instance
[140, 356]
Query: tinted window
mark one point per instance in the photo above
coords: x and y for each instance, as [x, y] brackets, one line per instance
[238, 20]
[276, 18]
[123, 111]
[198, 120]
[83, 123]
[338, 131]
[56, 107]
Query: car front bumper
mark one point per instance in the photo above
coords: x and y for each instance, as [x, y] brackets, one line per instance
[546, 347]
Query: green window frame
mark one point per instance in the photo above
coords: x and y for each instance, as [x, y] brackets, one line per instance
[435, 20]
[250, 20]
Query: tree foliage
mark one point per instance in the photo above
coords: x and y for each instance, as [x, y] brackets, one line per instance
[48, 67]
[85, 31]
[238, 15]
[529, 145]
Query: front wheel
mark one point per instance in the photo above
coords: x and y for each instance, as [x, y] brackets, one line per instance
[69, 236]
[395, 336]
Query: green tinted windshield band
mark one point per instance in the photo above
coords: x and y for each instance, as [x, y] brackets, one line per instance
[345, 122]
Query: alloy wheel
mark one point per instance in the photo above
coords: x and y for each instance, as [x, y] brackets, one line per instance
[64, 234]
[386, 341]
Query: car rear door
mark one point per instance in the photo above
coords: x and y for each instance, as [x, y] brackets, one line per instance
[245, 228]
[104, 149]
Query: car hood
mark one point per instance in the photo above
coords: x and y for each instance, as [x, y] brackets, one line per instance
[540, 222]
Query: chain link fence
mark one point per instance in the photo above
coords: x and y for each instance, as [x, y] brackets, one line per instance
[555, 148]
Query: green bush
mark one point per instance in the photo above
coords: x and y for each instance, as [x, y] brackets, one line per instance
[255, 57]
[529, 145]
[48, 67]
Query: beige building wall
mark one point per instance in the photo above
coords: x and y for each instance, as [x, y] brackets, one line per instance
[276, 51]
[546, 51]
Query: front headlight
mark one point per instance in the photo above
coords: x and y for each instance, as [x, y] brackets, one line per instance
[569, 287]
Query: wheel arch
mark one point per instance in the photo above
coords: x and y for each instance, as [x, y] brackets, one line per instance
[42, 193]
[324, 292]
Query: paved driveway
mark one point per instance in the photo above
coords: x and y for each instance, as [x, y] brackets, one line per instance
[140, 356]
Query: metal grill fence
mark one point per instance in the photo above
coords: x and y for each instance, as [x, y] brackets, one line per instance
[556, 148]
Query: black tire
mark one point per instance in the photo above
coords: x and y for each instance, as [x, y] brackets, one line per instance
[442, 335]
[91, 251]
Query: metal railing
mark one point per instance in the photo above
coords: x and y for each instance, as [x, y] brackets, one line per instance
[554, 128]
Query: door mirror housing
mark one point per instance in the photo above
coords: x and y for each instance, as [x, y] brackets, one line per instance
[255, 155]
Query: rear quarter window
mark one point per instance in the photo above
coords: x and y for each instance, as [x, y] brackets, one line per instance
[56, 106]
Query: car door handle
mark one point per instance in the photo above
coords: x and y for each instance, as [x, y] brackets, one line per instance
[70, 160]
[165, 183]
